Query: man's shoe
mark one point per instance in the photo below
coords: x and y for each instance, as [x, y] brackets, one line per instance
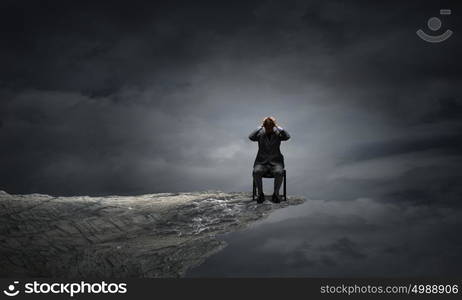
[276, 198]
[261, 198]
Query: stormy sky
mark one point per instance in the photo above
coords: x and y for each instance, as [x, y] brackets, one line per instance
[131, 97]
[127, 98]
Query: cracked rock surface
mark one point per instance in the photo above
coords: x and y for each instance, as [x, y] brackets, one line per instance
[153, 235]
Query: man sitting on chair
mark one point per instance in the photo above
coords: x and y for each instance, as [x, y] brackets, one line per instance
[269, 157]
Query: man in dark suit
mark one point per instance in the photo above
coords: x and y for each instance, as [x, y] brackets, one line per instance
[269, 157]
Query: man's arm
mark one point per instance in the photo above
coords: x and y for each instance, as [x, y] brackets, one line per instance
[254, 135]
[282, 133]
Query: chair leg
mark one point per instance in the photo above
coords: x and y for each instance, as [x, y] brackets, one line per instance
[253, 189]
[285, 187]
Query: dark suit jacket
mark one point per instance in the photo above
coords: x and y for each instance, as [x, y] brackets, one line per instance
[269, 151]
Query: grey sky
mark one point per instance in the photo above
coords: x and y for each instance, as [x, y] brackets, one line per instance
[162, 97]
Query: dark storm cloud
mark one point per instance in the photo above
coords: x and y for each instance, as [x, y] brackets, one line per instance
[114, 98]
[444, 143]
[96, 47]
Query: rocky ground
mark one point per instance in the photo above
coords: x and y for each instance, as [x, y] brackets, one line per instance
[154, 235]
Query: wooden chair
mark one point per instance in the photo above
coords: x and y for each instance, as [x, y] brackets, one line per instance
[269, 175]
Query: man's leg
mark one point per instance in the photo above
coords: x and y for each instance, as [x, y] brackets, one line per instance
[258, 172]
[277, 172]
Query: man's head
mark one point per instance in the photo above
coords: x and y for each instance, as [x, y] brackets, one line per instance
[269, 123]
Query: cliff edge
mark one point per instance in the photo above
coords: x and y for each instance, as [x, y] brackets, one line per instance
[153, 235]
